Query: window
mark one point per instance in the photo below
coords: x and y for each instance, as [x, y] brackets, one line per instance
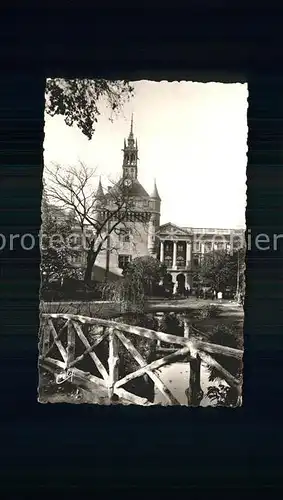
[168, 261]
[180, 262]
[196, 262]
[123, 261]
[197, 246]
[125, 235]
[207, 247]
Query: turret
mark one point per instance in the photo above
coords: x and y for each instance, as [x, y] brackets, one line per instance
[98, 200]
[99, 192]
[156, 204]
[151, 240]
[155, 194]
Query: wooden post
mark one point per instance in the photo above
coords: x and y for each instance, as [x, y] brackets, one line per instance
[71, 342]
[45, 338]
[194, 392]
[113, 363]
[186, 328]
[159, 317]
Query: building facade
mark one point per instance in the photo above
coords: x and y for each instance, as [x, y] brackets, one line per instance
[133, 227]
[139, 232]
[183, 249]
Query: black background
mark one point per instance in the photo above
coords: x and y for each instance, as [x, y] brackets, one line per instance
[78, 448]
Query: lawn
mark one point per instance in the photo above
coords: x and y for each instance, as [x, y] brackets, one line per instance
[110, 309]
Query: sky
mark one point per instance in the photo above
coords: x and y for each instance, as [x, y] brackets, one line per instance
[192, 138]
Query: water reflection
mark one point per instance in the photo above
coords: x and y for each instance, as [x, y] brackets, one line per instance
[176, 378]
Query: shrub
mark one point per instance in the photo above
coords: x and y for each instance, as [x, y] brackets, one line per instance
[220, 395]
[213, 311]
[229, 336]
[210, 311]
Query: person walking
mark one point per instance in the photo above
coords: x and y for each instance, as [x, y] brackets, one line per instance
[219, 296]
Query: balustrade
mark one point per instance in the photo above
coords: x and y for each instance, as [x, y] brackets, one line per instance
[109, 386]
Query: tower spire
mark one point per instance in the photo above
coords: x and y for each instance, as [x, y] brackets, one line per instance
[99, 192]
[131, 136]
[130, 160]
[155, 193]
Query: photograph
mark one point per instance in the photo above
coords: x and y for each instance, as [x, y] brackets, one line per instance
[143, 243]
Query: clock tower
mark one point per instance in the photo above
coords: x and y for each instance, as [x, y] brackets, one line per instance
[136, 236]
[130, 158]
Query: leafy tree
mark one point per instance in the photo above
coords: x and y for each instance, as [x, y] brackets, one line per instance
[219, 269]
[148, 270]
[78, 100]
[239, 258]
[55, 254]
[139, 278]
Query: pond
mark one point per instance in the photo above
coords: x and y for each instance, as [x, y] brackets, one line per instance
[176, 375]
[176, 378]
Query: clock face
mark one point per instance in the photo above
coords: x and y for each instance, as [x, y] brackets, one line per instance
[128, 182]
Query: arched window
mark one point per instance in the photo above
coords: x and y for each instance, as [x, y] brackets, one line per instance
[125, 235]
[180, 262]
[168, 261]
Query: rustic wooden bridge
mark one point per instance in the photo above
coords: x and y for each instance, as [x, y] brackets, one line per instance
[59, 334]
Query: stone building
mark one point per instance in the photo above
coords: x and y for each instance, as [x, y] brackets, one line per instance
[139, 214]
[183, 249]
[140, 233]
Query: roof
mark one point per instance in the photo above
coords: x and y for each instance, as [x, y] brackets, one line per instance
[172, 228]
[155, 193]
[136, 190]
[99, 192]
[215, 230]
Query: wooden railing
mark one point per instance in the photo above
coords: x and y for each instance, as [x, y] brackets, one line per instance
[110, 386]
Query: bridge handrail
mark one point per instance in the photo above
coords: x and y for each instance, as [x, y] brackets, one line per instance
[152, 334]
[191, 348]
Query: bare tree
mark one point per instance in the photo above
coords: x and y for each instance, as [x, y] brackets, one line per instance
[98, 215]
